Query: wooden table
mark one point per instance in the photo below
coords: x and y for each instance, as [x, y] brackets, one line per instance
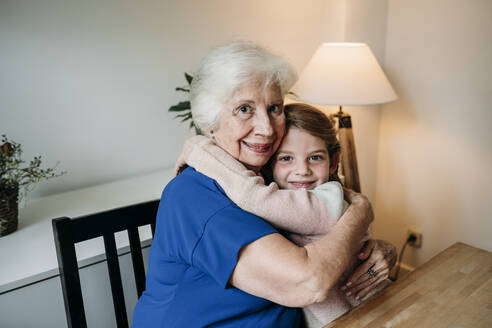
[453, 289]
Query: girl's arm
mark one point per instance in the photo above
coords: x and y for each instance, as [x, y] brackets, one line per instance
[298, 211]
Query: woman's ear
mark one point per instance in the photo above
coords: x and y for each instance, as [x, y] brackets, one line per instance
[334, 160]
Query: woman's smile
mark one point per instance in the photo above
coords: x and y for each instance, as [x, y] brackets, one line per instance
[260, 148]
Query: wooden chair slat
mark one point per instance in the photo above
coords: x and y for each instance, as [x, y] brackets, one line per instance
[114, 220]
[137, 260]
[115, 280]
[69, 273]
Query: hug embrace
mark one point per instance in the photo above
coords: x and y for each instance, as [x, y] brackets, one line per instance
[255, 230]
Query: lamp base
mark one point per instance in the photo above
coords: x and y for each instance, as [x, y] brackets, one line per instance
[348, 156]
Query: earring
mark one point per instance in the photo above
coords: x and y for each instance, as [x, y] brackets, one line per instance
[211, 131]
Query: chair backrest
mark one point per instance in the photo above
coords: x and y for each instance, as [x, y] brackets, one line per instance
[67, 232]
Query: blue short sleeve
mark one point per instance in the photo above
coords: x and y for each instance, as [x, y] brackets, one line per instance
[225, 233]
[199, 234]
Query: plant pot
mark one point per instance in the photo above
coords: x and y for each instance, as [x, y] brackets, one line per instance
[9, 210]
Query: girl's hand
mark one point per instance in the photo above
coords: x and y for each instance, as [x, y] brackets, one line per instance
[380, 257]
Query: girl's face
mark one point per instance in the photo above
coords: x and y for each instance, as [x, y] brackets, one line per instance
[302, 161]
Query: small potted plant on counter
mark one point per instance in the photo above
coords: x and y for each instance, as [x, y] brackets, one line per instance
[16, 180]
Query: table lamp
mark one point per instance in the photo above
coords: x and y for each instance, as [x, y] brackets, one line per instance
[344, 74]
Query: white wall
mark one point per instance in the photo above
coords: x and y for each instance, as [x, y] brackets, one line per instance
[435, 149]
[89, 83]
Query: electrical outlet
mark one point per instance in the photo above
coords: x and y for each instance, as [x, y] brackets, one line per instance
[417, 243]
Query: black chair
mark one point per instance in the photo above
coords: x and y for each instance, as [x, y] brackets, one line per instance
[68, 232]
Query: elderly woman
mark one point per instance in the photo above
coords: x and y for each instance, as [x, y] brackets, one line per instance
[214, 264]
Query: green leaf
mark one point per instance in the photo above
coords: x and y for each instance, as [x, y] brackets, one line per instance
[187, 117]
[183, 105]
[183, 115]
[188, 77]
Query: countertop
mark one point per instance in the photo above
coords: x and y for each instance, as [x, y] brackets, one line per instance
[452, 290]
[28, 255]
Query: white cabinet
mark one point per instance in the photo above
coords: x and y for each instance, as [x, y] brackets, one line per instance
[30, 288]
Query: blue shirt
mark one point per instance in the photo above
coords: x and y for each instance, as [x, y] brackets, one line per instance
[199, 232]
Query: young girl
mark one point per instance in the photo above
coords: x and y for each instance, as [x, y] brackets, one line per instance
[306, 160]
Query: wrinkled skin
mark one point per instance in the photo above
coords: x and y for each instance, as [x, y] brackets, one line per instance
[379, 255]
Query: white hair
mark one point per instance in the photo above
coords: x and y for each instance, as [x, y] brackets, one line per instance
[226, 68]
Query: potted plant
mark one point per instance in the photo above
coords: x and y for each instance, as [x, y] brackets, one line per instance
[183, 108]
[16, 180]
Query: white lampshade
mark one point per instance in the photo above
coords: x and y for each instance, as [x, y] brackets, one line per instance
[344, 74]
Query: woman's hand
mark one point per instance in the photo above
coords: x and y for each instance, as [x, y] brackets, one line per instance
[359, 205]
[380, 257]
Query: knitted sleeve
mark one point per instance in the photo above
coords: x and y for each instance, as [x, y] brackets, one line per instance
[297, 211]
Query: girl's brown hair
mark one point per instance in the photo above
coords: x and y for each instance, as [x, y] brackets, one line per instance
[316, 123]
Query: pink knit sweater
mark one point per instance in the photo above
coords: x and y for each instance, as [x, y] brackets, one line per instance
[299, 212]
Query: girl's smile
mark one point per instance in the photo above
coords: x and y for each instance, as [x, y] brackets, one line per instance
[302, 161]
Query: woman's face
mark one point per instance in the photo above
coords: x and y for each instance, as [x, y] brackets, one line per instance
[252, 124]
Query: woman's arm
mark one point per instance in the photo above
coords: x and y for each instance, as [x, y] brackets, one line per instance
[276, 269]
[298, 211]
